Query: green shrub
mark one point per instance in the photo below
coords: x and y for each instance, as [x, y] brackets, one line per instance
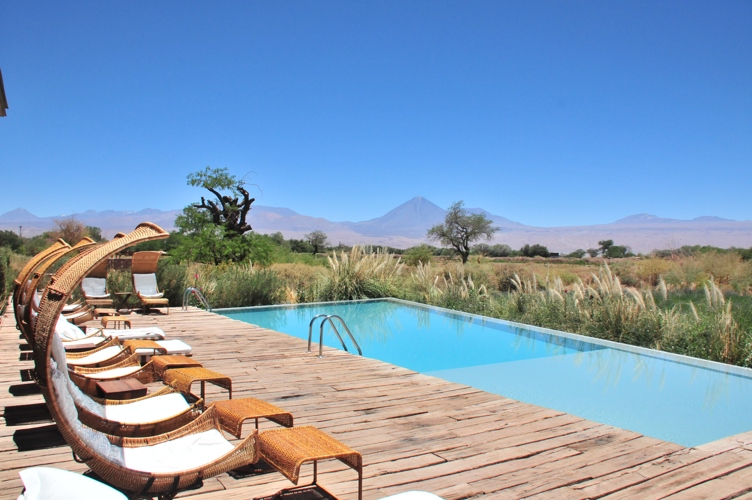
[239, 285]
[420, 254]
[6, 277]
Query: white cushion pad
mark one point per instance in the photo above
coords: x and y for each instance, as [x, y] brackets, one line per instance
[114, 373]
[80, 343]
[46, 483]
[174, 346]
[413, 495]
[142, 333]
[185, 453]
[147, 410]
[97, 357]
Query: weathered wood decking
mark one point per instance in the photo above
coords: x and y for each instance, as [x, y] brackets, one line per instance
[414, 431]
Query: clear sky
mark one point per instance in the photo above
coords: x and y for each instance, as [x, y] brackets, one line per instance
[548, 113]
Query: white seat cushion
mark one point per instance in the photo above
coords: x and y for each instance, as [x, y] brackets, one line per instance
[46, 483]
[97, 357]
[68, 308]
[115, 373]
[147, 410]
[89, 343]
[173, 346]
[185, 453]
[413, 495]
[142, 333]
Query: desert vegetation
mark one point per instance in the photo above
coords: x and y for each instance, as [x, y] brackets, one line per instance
[697, 304]
[692, 300]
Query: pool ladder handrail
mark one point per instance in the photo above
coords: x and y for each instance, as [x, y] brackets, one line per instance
[329, 317]
[198, 294]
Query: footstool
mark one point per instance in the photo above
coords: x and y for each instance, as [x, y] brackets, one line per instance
[182, 378]
[233, 412]
[117, 320]
[287, 449]
[163, 363]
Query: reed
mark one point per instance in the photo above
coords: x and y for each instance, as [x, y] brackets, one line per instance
[360, 273]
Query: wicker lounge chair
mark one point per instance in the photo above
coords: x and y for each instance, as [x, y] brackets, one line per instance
[94, 287]
[160, 465]
[163, 464]
[144, 270]
[44, 482]
[163, 411]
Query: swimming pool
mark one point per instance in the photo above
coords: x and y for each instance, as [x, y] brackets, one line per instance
[669, 397]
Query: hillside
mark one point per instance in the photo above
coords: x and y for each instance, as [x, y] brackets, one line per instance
[406, 226]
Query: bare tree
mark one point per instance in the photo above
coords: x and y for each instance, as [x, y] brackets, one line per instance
[69, 230]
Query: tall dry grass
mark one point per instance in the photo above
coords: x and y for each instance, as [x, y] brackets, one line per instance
[361, 273]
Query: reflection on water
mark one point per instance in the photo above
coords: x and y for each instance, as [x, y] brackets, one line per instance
[674, 401]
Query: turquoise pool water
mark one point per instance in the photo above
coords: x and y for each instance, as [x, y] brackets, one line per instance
[677, 399]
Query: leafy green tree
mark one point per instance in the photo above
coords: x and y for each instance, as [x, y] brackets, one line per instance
[418, 254]
[262, 249]
[617, 252]
[278, 238]
[317, 240]
[500, 250]
[94, 233]
[36, 244]
[593, 252]
[213, 231]
[225, 210]
[211, 244]
[535, 251]
[605, 245]
[300, 246]
[577, 254]
[460, 229]
[11, 240]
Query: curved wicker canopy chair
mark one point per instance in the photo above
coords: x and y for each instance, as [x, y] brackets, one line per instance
[28, 306]
[21, 282]
[144, 270]
[129, 464]
[27, 282]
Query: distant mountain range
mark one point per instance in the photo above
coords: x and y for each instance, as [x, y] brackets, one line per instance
[406, 226]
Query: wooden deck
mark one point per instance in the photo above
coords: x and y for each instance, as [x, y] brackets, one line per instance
[414, 431]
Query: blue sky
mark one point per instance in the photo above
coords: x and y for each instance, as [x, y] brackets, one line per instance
[548, 113]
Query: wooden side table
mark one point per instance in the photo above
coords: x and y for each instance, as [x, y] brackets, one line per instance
[127, 388]
[122, 299]
[119, 321]
[287, 449]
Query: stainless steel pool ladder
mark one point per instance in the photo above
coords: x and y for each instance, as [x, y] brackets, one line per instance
[196, 293]
[329, 317]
